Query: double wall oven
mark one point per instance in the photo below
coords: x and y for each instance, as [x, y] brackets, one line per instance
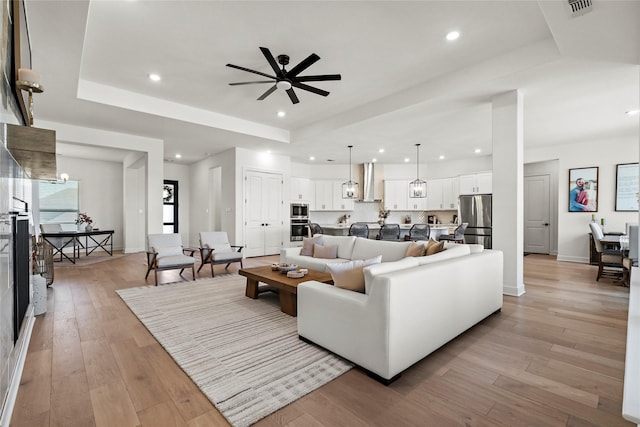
[299, 218]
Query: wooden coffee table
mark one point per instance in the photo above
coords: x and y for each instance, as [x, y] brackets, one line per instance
[286, 286]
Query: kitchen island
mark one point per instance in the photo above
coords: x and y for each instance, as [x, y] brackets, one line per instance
[374, 228]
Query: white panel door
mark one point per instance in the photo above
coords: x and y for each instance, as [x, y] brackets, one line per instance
[263, 213]
[536, 214]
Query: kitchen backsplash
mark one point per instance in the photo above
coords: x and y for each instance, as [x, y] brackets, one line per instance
[368, 212]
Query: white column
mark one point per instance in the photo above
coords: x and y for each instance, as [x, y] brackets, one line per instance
[508, 199]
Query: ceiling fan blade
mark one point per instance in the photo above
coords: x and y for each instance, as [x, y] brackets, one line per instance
[310, 88]
[292, 96]
[318, 78]
[272, 61]
[250, 71]
[306, 63]
[268, 92]
[250, 83]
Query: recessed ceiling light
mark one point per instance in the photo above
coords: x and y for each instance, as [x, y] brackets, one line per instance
[281, 114]
[407, 160]
[268, 151]
[477, 150]
[178, 156]
[441, 157]
[381, 150]
[154, 77]
[453, 35]
[374, 160]
[311, 158]
[633, 112]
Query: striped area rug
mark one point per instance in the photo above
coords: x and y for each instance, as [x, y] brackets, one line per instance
[243, 354]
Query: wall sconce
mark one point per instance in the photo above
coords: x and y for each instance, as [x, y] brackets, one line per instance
[64, 177]
[29, 80]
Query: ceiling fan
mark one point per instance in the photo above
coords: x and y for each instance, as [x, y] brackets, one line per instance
[287, 80]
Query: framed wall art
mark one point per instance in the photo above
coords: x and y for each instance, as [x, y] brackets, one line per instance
[583, 189]
[627, 187]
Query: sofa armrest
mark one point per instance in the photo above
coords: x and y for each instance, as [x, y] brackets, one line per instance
[285, 252]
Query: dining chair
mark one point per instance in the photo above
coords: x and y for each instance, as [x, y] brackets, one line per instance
[315, 229]
[216, 249]
[609, 260]
[359, 229]
[165, 252]
[631, 258]
[458, 234]
[389, 232]
[419, 232]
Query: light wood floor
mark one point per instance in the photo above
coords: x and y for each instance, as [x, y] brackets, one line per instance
[553, 357]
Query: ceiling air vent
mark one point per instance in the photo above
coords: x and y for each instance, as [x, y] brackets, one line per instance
[580, 7]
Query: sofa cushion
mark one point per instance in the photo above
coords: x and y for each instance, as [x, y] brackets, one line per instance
[454, 251]
[308, 242]
[368, 248]
[349, 275]
[434, 247]
[415, 249]
[320, 251]
[319, 264]
[386, 267]
[344, 243]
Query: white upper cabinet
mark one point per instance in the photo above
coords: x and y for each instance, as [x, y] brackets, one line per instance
[328, 197]
[302, 190]
[479, 183]
[396, 197]
[442, 194]
[340, 204]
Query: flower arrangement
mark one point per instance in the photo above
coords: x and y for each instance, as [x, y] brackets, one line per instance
[383, 214]
[84, 218]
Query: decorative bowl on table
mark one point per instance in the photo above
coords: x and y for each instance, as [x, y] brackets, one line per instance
[293, 274]
[285, 268]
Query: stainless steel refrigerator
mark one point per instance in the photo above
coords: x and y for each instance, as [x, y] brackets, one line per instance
[476, 211]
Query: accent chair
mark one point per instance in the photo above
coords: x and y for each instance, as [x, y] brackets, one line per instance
[165, 252]
[216, 249]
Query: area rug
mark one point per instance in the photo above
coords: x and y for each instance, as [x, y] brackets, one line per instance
[243, 354]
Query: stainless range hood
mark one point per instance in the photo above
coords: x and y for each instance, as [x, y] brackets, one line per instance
[372, 186]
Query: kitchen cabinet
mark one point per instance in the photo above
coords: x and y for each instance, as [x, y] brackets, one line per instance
[479, 183]
[396, 195]
[302, 190]
[328, 197]
[442, 194]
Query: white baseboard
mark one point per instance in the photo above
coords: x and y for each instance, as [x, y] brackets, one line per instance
[23, 342]
[133, 250]
[582, 260]
[513, 290]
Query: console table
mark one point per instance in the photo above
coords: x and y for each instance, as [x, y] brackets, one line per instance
[93, 240]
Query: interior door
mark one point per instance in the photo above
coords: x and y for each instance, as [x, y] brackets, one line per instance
[263, 213]
[536, 214]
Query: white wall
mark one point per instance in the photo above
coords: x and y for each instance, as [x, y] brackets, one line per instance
[100, 192]
[573, 227]
[181, 173]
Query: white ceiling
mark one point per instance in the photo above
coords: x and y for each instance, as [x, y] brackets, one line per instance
[402, 82]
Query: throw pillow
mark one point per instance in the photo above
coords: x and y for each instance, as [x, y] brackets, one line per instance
[415, 249]
[349, 275]
[168, 251]
[320, 251]
[434, 247]
[308, 243]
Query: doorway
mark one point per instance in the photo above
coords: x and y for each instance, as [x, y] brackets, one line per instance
[537, 214]
[170, 207]
[263, 213]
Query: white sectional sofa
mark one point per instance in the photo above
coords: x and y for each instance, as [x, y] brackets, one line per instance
[410, 307]
[351, 248]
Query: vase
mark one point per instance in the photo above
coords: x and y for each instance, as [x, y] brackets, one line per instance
[89, 227]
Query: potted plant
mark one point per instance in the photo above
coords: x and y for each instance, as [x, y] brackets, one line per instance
[83, 218]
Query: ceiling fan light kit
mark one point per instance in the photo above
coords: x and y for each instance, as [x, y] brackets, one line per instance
[287, 80]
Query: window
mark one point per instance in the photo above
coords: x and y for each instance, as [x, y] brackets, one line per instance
[59, 202]
[170, 207]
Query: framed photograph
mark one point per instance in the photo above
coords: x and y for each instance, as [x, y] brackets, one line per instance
[583, 189]
[627, 187]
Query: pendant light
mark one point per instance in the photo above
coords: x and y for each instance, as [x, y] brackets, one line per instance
[350, 188]
[418, 187]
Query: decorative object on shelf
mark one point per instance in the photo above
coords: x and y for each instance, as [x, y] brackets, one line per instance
[287, 80]
[418, 187]
[350, 188]
[344, 219]
[29, 81]
[407, 219]
[83, 218]
[583, 189]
